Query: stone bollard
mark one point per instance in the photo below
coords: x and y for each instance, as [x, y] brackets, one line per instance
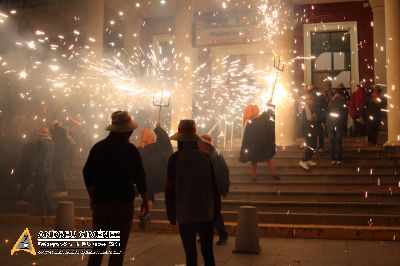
[65, 218]
[247, 239]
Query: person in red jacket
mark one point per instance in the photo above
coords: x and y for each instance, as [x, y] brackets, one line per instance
[357, 110]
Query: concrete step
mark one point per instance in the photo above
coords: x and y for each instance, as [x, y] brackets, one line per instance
[314, 231]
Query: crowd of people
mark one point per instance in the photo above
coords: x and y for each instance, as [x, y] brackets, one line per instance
[336, 113]
[46, 152]
[193, 178]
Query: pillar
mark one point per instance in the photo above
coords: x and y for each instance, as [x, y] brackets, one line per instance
[133, 29]
[95, 26]
[285, 116]
[378, 11]
[392, 27]
[132, 37]
[182, 93]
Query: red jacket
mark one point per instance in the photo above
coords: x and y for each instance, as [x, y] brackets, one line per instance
[356, 103]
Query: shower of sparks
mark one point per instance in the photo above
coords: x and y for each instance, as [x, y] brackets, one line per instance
[274, 19]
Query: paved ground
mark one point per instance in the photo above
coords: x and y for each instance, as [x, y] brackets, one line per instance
[166, 249]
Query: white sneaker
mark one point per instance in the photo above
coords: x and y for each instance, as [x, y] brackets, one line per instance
[311, 163]
[304, 165]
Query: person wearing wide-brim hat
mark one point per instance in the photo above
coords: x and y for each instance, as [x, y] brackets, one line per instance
[191, 194]
[112, 169]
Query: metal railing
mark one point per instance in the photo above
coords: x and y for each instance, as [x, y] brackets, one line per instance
[226, 128]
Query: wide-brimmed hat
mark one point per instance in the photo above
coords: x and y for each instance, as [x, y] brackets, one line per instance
[121, 121]
[186, 131]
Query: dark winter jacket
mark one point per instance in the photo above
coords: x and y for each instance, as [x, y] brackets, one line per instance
[221, 169]
[308, 126]
[155, 159]
[44, 157]
[112, 169]
[320, 105]
[60, 139]
[27, 158]
[191, 192]
[258, 144]
[337, 113]
[373, 113]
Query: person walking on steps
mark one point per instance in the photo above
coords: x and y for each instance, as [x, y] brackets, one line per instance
[258, 144]
[309, 130]
[222, 175]
[336, 123]
[42, 171]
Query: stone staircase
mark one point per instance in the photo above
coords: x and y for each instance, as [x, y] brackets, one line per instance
[358, 200]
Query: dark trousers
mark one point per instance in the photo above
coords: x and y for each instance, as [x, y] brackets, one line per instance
[359, 129]
[43, 203]
[311, 142]
[219, 225]
[321, 135]
[58, 172]
[336, 143]
[372, 130]
[188, 235]
[25, 179]
[115, 216]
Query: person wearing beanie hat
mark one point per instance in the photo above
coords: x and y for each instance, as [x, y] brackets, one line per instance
[374, 104]
[113, 168]
[223, 182]
[336, 122]
[42, 170]
[191, 194]
[155, 150]
[59, 136]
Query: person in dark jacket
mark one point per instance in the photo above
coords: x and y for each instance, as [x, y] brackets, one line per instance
[373, 105]
[310, 132]
[42, 171]
[191, 194]
[155, 151]
[221, 170]
[26, 168]
[112, 169]
[258, 144]
[336, 123]
[59, 136]
[319, 108]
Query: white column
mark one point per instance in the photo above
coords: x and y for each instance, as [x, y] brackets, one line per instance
[392, 26]
[95, 25]
[378, 11]
[133, 30]
[285, 124]
[182, 93]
